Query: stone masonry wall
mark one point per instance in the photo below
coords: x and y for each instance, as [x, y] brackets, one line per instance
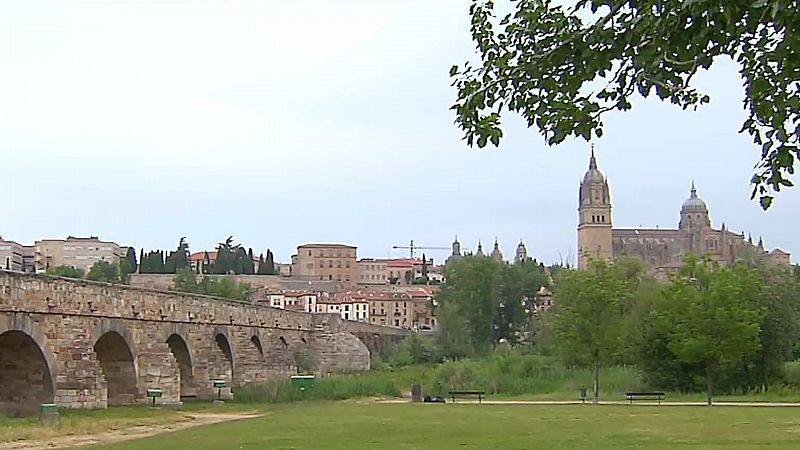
[98, 344]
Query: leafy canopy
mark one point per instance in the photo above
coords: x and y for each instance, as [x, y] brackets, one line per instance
[562, 68]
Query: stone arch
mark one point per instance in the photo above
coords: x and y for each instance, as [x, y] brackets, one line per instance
[179, 347]
[256, 341]
[117, 362]
[27, 369]
[223, 356]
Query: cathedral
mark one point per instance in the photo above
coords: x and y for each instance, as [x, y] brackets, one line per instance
[662, 250]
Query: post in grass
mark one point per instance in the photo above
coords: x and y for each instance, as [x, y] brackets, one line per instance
[154, 393]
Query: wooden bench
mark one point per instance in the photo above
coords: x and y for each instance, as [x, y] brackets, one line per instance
[466, 393]
[645, 396]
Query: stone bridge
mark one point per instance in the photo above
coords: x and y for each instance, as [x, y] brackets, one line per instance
[83, 344]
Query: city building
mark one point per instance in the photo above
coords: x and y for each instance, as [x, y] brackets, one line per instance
[306, 301]
[78, 252]
[373, 271]
[11, 255]
[661, 250]
[333, 262]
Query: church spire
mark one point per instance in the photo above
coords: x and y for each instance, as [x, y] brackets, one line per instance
[592, 160]
[496, 253]
[693, 191]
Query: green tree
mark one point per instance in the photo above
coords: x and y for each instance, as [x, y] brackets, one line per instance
[208, 265]
[270, 263]
[588, 317]
[248, 266]
[185, 280]
[179, 258]
[104, 271]
[712, 314]
[262, 268]
[472, 290]
[495, 301]
[144, 262]
[130, 265]
[562, 68]
[65, 271]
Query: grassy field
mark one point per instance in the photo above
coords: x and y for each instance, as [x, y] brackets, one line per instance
[367, 425]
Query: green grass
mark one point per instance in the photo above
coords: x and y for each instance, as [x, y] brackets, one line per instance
[75, 422]
[367, 425]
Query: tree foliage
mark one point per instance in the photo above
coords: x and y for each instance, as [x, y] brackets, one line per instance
[562, 68]
[65, 271]
[104, 271]
[588, 316]
[483, 302]
[186, 280]
[712, 315]
[179, 258]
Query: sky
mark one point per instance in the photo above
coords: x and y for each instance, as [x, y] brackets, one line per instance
[288, 122]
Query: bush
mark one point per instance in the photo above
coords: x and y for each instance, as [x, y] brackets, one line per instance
[791, 373]
[330, 388]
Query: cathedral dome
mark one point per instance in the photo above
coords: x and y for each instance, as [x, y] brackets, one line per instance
[593, 175]
[694, 202]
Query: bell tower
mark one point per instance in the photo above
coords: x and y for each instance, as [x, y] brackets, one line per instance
[594, 217]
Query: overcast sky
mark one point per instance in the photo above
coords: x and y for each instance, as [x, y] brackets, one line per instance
[285, 122]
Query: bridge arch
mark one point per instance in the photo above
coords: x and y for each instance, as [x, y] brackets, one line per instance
[223, 355]
[116, 354]
[179, 347]
[27, 367]
[255, 339]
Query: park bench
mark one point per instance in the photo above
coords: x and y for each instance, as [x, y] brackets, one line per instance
[645, 396]
[466, 393]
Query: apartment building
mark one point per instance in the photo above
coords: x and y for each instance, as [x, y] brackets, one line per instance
[305, 301]
[373, 271]
[350, 306]
[331, 262]
[78, 252]
[11, 255]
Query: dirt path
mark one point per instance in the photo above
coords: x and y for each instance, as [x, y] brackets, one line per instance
[137, 432]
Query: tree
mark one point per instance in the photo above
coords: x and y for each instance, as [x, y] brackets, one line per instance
[424, 267]
[141, 261]
[130, 265]
[712, 314]
[588, 317]
[493, 301]
[563, 68]
[179, 258]
[185, 280]
[270, 263]
[103, 271]
[65, 271]
[471, 291]
[248, 265]
[207, 264]
[262, 268]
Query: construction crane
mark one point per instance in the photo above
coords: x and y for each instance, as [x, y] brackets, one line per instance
[411, 247]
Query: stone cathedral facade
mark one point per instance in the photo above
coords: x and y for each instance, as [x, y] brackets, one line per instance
[662, 250]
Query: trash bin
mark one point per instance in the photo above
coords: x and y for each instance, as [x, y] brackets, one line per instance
[302, 382]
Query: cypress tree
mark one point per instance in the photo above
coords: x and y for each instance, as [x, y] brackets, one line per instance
[262, 267]
[131, 257]
[270, 263]
[206, 263]
[143, 267]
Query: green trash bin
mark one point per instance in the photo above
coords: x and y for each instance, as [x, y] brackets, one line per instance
[302, 382]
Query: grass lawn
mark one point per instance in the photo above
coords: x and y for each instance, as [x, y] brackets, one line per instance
[368, 425]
